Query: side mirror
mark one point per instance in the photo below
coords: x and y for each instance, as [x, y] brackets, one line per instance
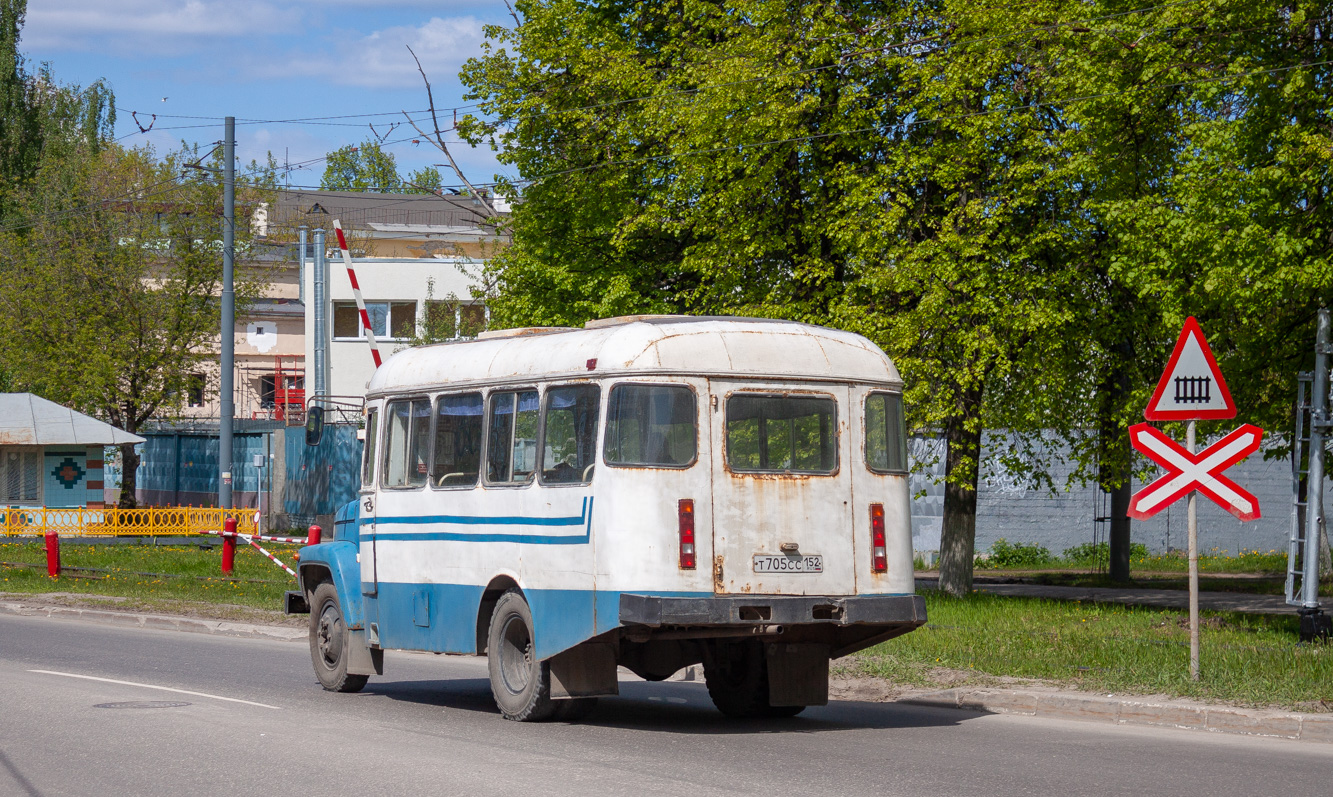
[314, 425]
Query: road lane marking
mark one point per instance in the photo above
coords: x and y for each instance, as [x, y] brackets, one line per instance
[151, 686]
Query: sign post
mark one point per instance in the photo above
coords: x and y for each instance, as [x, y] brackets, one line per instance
[1192, 389]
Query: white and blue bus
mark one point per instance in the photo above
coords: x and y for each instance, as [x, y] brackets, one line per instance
[647, 492]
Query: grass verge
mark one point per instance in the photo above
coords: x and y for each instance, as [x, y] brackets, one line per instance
[164, 575]
[1245, 659]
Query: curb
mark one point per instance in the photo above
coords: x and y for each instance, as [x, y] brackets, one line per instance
[1134, 711]
[161, 622]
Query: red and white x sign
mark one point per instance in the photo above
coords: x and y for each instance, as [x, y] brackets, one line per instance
[1201, 471]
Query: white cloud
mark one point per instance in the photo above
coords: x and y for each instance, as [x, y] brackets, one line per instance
[150, 26]
[381, 59]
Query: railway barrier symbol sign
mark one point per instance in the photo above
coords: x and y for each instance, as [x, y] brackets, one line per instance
[1202, 471]
[1192, 387]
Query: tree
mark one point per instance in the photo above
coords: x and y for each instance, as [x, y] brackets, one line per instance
[366, 167]
[1019, 208]
[426, 180]
[38, 115]
[109, 276]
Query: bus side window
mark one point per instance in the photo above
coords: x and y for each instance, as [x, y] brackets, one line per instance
[511, 444]
[651, 426]
[458, 431]
[886, 436]
[406, 442]
[368, 454]
[569, 447]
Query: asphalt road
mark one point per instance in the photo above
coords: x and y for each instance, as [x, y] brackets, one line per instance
[260, 724]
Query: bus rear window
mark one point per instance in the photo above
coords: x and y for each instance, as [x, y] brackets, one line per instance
[782, 434]
[886, 436]
[651, 426]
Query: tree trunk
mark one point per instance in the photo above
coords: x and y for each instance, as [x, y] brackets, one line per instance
[1116, 460]
[958, 535]
[129, 476]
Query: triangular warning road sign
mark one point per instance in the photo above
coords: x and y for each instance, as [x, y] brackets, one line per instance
[1192, 387]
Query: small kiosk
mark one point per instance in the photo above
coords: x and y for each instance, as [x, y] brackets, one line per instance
[50, 455]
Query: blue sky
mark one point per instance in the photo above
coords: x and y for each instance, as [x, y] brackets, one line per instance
[270, 60]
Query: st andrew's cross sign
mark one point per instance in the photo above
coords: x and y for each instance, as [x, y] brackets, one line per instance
[1186, 472]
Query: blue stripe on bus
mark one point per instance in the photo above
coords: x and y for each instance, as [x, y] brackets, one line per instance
[584, 519]
[443, 617]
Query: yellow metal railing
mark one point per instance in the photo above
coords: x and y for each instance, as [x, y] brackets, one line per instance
[154, 521]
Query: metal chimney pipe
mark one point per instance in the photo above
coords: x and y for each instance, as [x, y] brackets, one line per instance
[321, 301]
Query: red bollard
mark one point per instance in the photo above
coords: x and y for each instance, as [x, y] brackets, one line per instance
[228, 545]
[314, 535]
[52, 554]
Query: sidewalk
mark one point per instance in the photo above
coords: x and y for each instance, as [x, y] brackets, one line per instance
[1132, 596]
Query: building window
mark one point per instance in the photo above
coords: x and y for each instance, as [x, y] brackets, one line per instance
[398, 317]
[194, 390]
[266, 391]
[20, 476]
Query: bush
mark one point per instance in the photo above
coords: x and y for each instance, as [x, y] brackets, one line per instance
[1089, 555]
[1010, 554]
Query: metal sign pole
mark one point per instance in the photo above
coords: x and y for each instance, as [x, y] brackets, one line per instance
[1194, 565]
[1314, 491]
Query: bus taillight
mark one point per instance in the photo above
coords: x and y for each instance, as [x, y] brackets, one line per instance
[879, 558]
[685, 513]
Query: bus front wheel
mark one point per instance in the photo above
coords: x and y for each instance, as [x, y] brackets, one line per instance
[520, 683]
[329, 642]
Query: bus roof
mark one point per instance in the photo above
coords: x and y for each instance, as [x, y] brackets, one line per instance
[743, 348]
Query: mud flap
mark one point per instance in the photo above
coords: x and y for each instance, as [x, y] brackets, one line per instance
[587, 670]
[361, 659]
[797, 674]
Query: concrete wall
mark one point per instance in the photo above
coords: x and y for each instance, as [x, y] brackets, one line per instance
[1008, 508]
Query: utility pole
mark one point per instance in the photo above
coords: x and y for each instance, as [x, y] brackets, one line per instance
[228, 387]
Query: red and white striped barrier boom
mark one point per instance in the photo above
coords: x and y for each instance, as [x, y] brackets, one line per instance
[250, 539]
[356, 291]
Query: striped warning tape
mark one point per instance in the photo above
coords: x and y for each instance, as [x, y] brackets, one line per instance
[356, 291]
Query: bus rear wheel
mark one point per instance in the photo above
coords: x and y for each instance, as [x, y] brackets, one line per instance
[329, 642]
[520, 683]
[737, 677]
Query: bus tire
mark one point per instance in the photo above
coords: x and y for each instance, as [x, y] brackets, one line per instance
[520, 683]
[329, 642]
[737, 677]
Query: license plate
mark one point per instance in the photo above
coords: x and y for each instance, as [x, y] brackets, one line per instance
[782, 563]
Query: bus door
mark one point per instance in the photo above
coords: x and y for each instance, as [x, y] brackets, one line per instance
[782, 520]
[366, 510]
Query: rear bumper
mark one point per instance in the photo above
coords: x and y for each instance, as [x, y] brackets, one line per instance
[746, 610]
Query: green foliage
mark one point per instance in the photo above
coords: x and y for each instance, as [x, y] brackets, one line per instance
[39, 117]
[1015, 555]
[365, 167]
[426, 180]
[1020, 208]
[109, 278]
[1098, 555]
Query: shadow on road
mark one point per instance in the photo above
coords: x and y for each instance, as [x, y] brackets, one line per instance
[681, 708]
